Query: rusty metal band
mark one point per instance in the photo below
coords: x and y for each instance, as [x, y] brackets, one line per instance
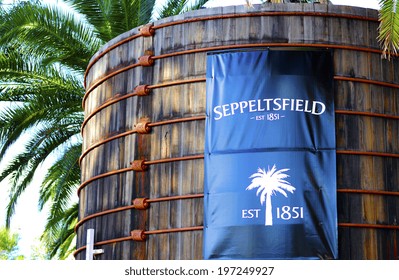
[365, 153]
[267, 14]
[109, 139]
[168, 160]
[195, 118]
[177, 197]
[102, 213]
[344, 112]
[150, 232]
[341, 78]
[228, 16]
[77, 251]
[123, 170]
[117, 98]
[198, 228]
[201, 156]
[103, 175]
[193, 196]
[371, 192]
[372, 226]
[226, 47]
[107, 103]
[367, 114]
[173, 121]
[107, 50]
[105, 242]
[106, 77]
[178, 82]
[129, 207]
[366, 81]
[265, 45]
[172, 230]
[154, 124]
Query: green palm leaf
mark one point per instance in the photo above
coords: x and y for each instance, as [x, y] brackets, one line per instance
[50, 33]
[59, 233]
[43, 143]
[175, 7]
[113, 17]
[389, 27]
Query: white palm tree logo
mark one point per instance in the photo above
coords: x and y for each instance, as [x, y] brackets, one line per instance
[268, 183]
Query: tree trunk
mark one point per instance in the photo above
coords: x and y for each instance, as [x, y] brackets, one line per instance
[268, 215]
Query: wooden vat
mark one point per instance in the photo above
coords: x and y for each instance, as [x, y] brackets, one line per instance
[143, 134]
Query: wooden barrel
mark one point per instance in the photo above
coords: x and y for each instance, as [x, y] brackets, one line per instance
[143, 134]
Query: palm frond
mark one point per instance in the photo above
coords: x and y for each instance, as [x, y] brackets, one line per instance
[28, 117]
[43, 143]
[388, 36]
[23, 75]
[287, 186]
[262, 187]
[197, 5]
[256, 182]
[32, 91]
[176, 7]
[280, 191]
[270, 181]
[279, 173]
[49, 32]
[59, 233]
[113, 17]
[171, 8]
[61, 180]
[271, 171]
[143, 9]
[261, 172]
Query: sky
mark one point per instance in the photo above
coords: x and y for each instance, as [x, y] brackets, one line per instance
[28, 221]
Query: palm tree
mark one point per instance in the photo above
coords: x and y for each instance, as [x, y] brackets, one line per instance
[268, 183]
[41, 89]
[44, 51]
[388, 35]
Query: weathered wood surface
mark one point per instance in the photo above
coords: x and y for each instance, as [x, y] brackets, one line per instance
[231, 27]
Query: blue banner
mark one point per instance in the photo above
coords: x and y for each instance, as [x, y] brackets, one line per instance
[270, 172]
